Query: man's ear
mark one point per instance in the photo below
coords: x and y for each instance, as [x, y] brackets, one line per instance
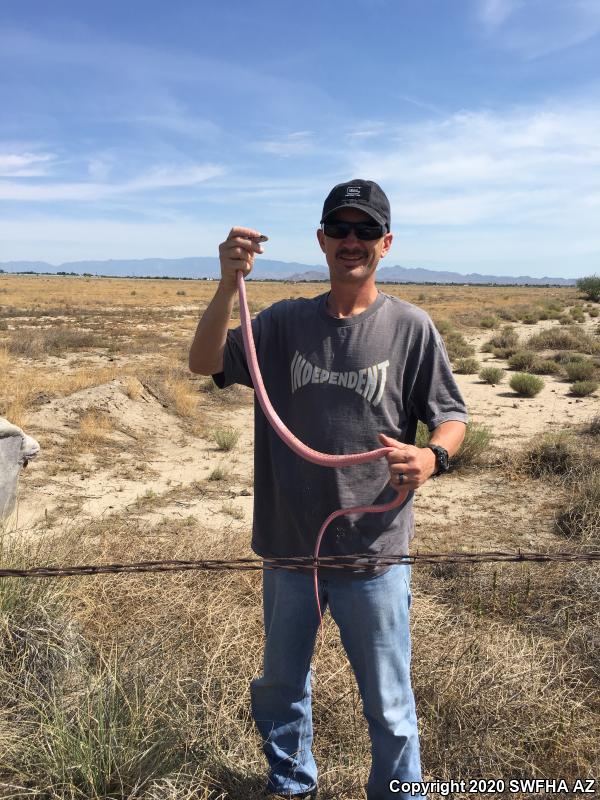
[321, 238]
[387, 243]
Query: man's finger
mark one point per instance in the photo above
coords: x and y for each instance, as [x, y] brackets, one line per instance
[387, 441]
[245, 233]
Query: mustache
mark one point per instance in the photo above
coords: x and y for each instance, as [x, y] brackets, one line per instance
[345, 252]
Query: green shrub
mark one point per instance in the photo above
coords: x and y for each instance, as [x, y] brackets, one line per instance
[489, 321]
[584, 388]
[522, 360]
[422, 435]
[590, 287]
[526, 385]
[491, 375]
[580, 371]
[530, 318]
[545, 366]
[226, 438]
[466, 366]
[594, 312]
[476, 443]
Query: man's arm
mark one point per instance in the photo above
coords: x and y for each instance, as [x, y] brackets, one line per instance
[235, 253]
[417, 464]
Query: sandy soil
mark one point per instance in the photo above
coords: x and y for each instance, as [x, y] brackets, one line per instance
[150, 467]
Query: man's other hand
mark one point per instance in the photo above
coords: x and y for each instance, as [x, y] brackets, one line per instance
[237, 253]
[414, 464]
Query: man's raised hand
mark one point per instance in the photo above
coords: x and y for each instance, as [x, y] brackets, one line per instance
[237, 252]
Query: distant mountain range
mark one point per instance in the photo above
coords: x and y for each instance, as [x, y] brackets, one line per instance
[264, 269]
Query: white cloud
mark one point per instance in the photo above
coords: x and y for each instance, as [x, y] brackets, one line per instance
[24, 165]
[537, 28]
[292, 144]
[536, 165]
[160, 177]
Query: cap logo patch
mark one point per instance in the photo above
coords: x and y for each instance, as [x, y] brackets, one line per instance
[357, 192]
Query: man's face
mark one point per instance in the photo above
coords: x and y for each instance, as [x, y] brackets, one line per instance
[352, 260]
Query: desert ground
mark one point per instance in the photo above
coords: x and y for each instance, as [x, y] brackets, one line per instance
[141, 459]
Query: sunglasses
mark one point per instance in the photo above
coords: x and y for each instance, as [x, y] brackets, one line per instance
[363, 230]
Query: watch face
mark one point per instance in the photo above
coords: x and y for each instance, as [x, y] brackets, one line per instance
[441, 457]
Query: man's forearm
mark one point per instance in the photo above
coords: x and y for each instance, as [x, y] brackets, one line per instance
[206, 352]
[449, 435]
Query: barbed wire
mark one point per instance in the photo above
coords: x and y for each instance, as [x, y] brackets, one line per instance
[354, 563]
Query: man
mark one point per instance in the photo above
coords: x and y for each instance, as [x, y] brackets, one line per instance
[339, 369]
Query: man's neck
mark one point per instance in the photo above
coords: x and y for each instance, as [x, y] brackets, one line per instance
[348, 301]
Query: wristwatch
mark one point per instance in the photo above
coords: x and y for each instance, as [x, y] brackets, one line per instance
[442, 460]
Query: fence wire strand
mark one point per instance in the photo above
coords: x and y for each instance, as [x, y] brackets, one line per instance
[355, 563]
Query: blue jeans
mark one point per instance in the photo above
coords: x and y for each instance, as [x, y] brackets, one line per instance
[372, 615]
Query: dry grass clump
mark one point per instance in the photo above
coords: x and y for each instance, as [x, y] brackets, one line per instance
[94, 427]
[580, 517]
[52, 341]
[593, 426]
[551, 454]
[481, 683]
[146, 689]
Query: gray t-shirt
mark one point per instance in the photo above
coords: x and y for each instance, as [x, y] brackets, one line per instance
[336, 384]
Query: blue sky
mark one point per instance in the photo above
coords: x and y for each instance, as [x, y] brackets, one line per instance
[138, 129]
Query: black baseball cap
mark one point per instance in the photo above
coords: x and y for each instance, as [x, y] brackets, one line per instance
[364, 195]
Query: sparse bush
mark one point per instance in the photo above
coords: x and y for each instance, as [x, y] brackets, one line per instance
[506, 338]
[422, 436]
[584, 388]
[522, 360]
[580, 371]
[492, 375]
[488, 321]
[557, 339]
[226, 438]
[593, 426]
[476, 443]
[551, 454]
[466, 366]
[219, 473]
[590, 287]
[565, 357]
[181, 293]
[526, 385]
[457, 346]
[545, 366]
[443, 326]
[503, 352]
[581, 517]
[531, 318]
[507, 314]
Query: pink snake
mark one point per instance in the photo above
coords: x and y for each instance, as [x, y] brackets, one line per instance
[323, 459]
